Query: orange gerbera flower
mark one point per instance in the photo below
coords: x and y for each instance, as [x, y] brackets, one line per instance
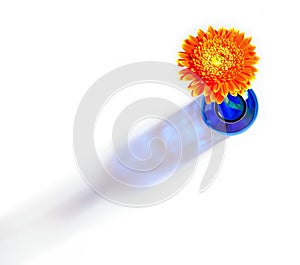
[218, 62]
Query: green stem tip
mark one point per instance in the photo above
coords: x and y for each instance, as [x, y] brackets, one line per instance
[232, 104]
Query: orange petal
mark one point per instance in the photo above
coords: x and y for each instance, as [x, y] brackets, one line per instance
[183, 62]
[209, 36]
[200, 34]
[240, 78]
[238, 85]
[251, 68]
[245, 42]
[249, 54]
[241, 84]
[207, 90]
[188, 48]
[188, 77]
[212, 97]
[185, 71]
[207, 99]
[232, 33]
[197, 91]
[250, 48]
[232, 87]
[194, 93]
[256, 58]
[183, 55]
[219, 97]
[211, 30]
[250, 62]
[226, 88]
[239, 38]
[222, 32]
[194, 41]
[215, 88]
[195, 84]
[245, 75]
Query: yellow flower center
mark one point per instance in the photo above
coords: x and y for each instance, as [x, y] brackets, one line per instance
[217, 60]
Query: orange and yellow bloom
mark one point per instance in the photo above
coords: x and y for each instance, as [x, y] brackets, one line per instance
[218, 63]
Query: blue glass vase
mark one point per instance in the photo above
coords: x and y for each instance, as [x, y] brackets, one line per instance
[233, 116]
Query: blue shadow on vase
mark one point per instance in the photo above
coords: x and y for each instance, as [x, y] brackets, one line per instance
[233, 116]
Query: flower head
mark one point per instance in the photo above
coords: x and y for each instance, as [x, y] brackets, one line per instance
[218, 62]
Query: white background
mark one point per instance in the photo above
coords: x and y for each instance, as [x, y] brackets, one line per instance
[51, 52]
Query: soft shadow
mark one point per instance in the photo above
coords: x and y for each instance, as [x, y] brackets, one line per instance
[51, 219]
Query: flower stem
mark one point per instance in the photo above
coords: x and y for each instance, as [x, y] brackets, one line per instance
[232, 104]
